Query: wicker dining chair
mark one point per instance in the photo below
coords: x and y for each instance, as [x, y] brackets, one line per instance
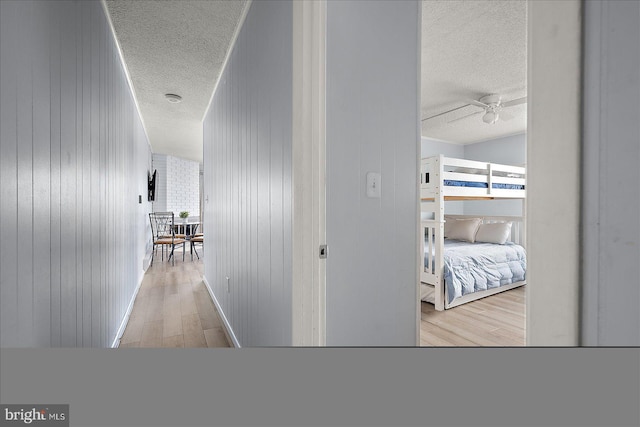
[163, 230]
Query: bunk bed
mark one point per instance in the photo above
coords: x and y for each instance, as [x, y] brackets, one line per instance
[458, 268]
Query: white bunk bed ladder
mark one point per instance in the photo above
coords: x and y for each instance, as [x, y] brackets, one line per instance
[429, 168]
[432, 243]
[432, 249]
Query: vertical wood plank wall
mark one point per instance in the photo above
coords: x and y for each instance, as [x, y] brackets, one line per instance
[73, 160]
[247, 176]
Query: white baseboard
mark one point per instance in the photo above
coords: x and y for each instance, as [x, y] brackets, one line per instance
[227, 326]
[125, 319]
[146, 262]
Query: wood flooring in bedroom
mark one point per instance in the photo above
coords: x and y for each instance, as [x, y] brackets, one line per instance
[495, 321]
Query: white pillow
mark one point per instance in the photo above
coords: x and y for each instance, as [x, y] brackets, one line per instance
[462, 229]
[497, 232]
[449, 224]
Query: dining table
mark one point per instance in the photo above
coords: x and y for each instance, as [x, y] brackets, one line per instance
[188, 228]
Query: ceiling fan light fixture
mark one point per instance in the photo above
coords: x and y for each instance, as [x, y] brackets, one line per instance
[490, 117]
[173, 98]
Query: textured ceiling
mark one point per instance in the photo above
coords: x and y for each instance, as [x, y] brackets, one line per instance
[471, 49]
[174, 47]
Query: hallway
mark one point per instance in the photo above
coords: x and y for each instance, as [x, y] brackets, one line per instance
[174, 309]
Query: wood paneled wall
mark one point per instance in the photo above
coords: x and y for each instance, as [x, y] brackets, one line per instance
[247, 166]
[73, 160]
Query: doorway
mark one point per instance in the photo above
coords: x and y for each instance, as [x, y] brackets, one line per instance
[552, 139]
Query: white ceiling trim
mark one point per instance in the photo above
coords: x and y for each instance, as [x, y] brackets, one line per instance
[232, 46]
[491, 138]
[441, 140]
[126, 70]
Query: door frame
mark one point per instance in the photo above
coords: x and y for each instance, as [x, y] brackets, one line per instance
[554, 76]
[554, 132]
[308, 173]
[554, 123]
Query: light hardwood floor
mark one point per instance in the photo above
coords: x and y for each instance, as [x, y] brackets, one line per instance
[174, 309]
[495, 321]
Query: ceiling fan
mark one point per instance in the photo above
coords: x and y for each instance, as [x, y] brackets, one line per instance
[494, 108]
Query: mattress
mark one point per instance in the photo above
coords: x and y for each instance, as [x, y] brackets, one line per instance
[453, 183]
[472, 267]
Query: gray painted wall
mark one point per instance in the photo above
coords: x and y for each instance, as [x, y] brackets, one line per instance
[372, 125]
[611, 153]
[508, 150]
[73, 160]
[247, 180]
[433, 147]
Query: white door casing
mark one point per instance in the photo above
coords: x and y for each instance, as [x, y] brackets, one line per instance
[308, 170]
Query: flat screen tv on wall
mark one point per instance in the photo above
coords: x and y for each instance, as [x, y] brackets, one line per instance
[152, 186]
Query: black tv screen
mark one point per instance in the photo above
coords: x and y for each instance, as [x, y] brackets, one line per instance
[152, 186]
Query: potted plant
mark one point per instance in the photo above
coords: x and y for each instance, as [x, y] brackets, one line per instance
[184, 215]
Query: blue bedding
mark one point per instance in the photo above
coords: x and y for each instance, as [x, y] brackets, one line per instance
[471, 267]
[482, 185]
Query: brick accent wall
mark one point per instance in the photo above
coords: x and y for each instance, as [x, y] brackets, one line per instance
[177, 186]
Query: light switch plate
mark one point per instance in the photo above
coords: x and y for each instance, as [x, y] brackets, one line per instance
[373, 185]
